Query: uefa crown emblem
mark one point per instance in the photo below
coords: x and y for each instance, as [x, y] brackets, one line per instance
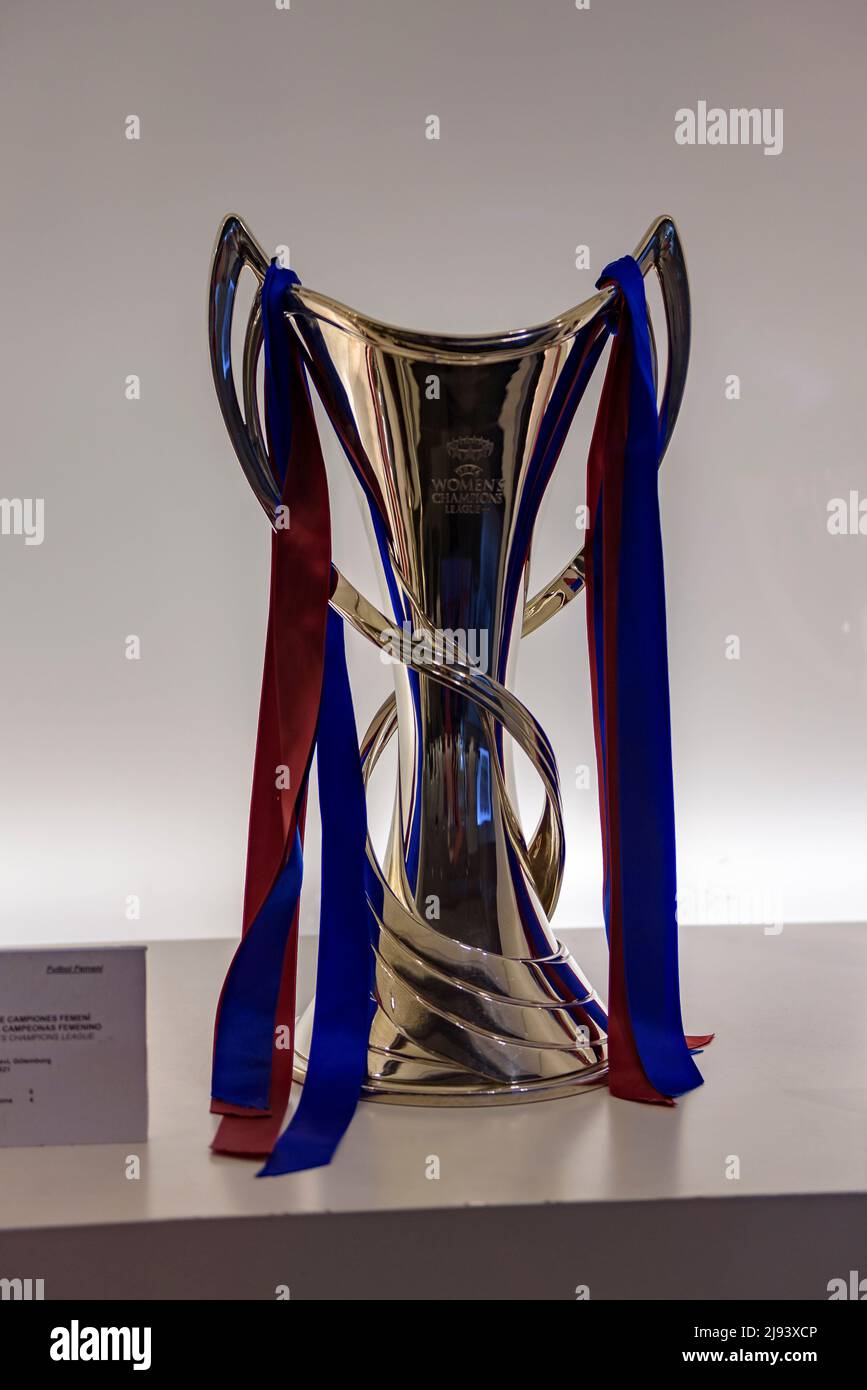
[470, 447]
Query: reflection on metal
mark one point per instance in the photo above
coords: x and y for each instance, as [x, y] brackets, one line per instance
[454, 441]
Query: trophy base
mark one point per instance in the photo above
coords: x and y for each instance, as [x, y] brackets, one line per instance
[400, 1072]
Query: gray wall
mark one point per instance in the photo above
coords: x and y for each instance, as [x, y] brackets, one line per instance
[558, 126]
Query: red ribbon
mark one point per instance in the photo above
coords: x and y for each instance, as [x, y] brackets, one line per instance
[288, 711]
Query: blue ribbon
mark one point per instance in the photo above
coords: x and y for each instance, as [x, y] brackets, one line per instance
[244, 1041]
[646, 788]
[279, 364]
[337, 1064]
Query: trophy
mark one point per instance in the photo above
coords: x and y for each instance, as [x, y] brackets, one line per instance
[470, 998]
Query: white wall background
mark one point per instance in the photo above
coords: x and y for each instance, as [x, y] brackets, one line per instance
[124, 777]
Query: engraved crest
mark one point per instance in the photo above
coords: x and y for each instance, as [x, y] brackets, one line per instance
[471, 447]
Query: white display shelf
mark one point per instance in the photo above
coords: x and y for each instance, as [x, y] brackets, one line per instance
[532, 1201]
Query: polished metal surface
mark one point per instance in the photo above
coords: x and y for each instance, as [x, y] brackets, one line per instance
[453, 440]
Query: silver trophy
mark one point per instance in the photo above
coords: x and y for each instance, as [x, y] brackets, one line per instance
[453, 440]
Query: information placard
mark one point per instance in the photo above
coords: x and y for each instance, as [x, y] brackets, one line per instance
[73, 1046]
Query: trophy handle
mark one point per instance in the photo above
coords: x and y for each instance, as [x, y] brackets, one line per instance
[236, 248]
[661, 249]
